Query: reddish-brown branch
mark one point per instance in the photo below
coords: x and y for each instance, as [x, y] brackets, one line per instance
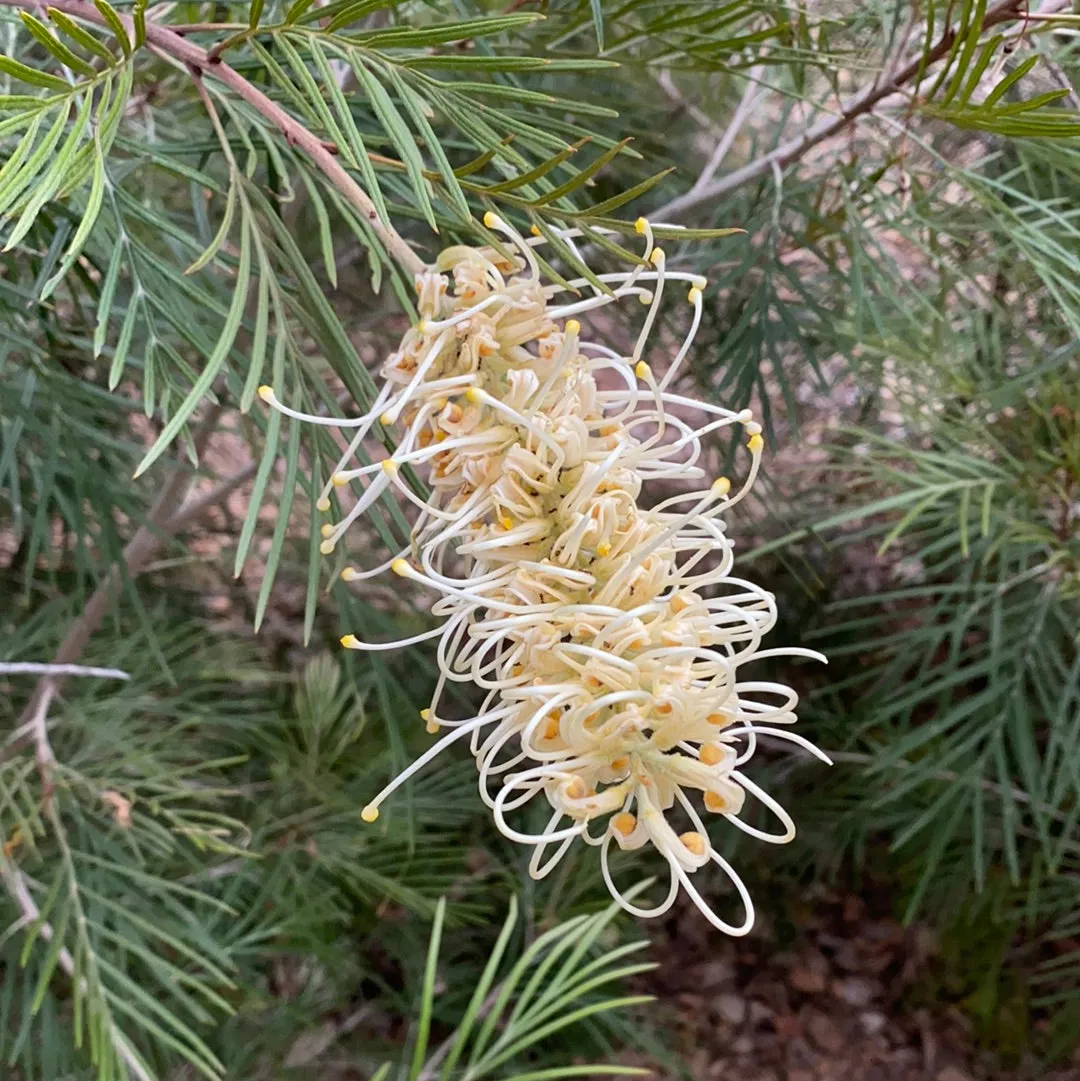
[195, 56]
[858, 105]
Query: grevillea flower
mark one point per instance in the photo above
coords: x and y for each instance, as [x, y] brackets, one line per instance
[608, 636]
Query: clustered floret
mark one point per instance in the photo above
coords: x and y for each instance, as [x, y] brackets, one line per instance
[607, 636]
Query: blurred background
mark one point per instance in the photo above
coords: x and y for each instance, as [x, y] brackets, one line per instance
[189, 890]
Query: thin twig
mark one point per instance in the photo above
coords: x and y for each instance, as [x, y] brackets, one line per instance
[38, 730]
[696, 113]
[723, 143]
[310, 1046]
[440, 1052]
[1049, 11]
[858, 105]
[742, 111]
[17, 886]
[206, 28]
[1057, 73]
[194, 507]
[33, 668]
[194, 56]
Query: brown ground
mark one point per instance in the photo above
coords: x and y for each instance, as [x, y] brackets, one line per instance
[836, 1006]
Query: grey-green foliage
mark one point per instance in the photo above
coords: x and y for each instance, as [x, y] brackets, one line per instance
[952, 482]
[204, 889]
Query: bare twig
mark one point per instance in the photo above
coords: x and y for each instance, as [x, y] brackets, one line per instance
[18, 887]
[37, 729]
[731, 133]
[858, 105]
[723, 144]
[1050, 11]
[440, 1052]
[312, 1045]
[206, 28]
[195, 506]
[699, 116]
[33, 668]
[1057, 73]
[196, 57]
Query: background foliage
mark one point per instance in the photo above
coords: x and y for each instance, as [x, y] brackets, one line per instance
[197, 198]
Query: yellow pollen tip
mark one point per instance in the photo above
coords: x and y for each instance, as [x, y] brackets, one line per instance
[350, 641]
[714, 801]
[573, 326]
[576, 789]
[551, 729]
[642, 370]
[386, 419]
[431, 727]
[491, 219]
[506, 523]
[755, 443]
[717, 719]
[656, 256]
[721, 486]
[664, 708]
[535, 230]
[369, 813]
[645, 297]
[267, 393]
[603, 549]
[389, 466]
[348, 574]
[624, 822]
[694, 842]
[327, 530]
[423, 327]
[425, 714]
[694, 295]
[327, 547]
[473, 395]
[400, 566]
[620, 763]
[710, 754]
[640, 226]
[322, 504]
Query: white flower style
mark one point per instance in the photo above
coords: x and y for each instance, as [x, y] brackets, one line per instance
[608, 637]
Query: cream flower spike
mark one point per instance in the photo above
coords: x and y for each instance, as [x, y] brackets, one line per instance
[608, 636]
